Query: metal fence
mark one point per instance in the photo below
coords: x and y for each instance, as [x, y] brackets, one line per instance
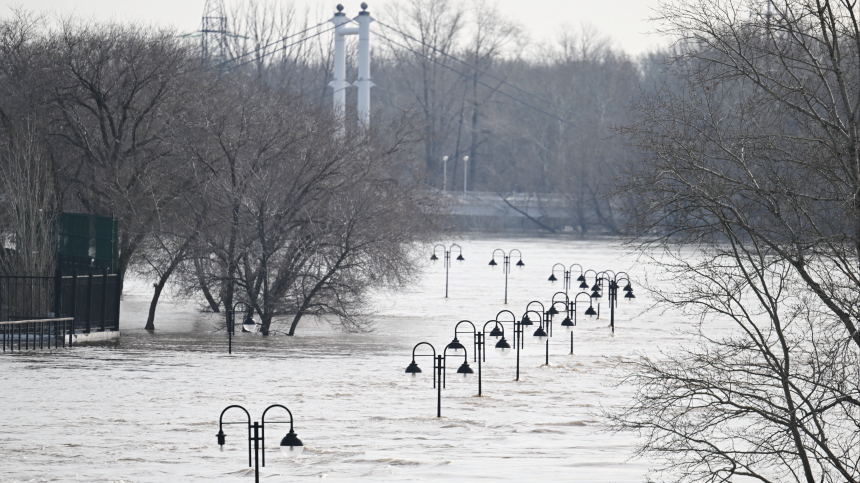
[36, 333]
[90, 299]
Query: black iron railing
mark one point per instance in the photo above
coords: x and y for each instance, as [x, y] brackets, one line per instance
[36, 334]
[90, 299]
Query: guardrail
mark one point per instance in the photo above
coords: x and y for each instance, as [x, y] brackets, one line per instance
[51, 330]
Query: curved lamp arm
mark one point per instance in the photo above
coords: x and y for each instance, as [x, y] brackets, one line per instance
[474, 334]
[223, 437]
[263, 427]
[459, 248]
[414, 355]
[542, 308]
[513, 317]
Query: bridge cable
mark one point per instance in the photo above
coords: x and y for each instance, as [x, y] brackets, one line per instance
[284, 47]
[475, 68]
[474, 78]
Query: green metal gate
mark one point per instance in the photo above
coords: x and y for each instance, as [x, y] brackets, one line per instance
[87, 241]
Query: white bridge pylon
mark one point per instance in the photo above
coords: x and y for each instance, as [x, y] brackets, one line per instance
[339, 84]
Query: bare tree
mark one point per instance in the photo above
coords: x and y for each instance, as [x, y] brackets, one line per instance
[28, 209]
[291, 227]
[429, 32]
[754, 163]
[115, 91]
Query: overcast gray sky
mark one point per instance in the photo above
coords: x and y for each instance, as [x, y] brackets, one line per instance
[625, 21]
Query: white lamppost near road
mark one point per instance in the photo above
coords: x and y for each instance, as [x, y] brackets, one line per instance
[444, 172]
[465, 173]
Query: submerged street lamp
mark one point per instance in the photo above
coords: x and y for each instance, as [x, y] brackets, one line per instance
[447, 255]
[249, 324]
[291, 445]
[497, 335]
[567, 275]
[613, 295]
[569, 324]
[464, 372]
[506, 265]
[498, 331]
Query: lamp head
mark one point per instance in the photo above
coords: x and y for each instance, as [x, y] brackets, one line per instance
[456, 348]
[465, 373]
[583, 284]
[502, 347]
[496, 333]
[433, 257]
[590, 312]
[596, 295]
[493, 263]
[628, 287]
[526, 320]
[629, 296]
[540, 334]
[249, 324]
[552, 310]
[567, 324]
[460, 258]
[291, 445]
[413, 372]
[221, 438]
[520, 264]
[552, 278]
[580, 278]
[595, 287]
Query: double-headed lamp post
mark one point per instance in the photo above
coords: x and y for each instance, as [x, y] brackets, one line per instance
[447, 258]
[614, 283]
[506, 264]
[248, 324]
[497, 335]
[498, 332]
[569, 323]
[291, 445]
[567, 275]
[464, 372]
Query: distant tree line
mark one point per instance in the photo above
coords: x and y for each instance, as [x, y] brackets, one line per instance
[531, 118]
[193, 155]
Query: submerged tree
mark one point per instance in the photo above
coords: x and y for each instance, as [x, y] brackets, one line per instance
[754, 162]
[302, 218]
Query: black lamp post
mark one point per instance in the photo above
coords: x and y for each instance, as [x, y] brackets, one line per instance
[596, 289]
[291, 445]
[544, 330]
[569, 324]
[447, 256]
[248, 324]
[567, 275]
[464, 372]
[506, 264]
[541, 332]
[518, 334]
[613, 295]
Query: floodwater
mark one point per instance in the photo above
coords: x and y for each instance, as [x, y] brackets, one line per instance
[146, 410]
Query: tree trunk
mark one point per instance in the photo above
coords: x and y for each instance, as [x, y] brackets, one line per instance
[204, 287]
[162, 281]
